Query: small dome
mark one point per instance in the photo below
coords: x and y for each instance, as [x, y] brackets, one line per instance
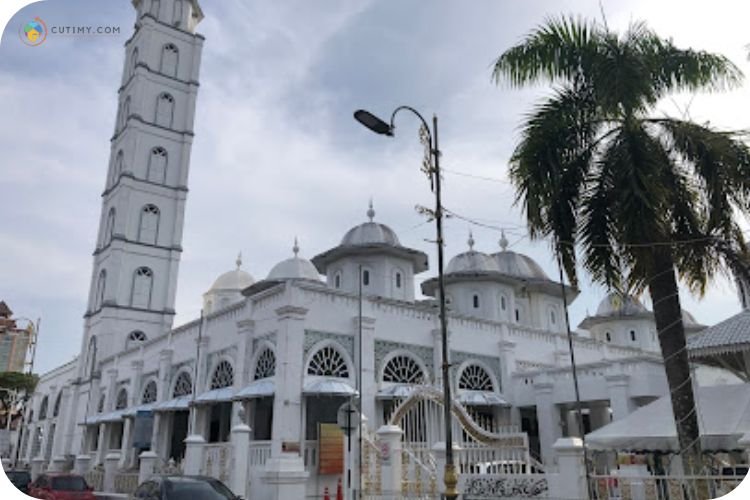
[236, 279]
[370, 233]
[616, 304]
[471, 261]
[516, 264]
[294, 268]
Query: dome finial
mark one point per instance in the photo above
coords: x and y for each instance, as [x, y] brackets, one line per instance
[295, 248]
[503, 240]
[471, 241]
[239, 260]
[370, 211]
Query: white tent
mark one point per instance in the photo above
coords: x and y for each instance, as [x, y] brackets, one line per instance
[723, 417]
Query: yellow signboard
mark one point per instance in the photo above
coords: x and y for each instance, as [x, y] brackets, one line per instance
[331, 446]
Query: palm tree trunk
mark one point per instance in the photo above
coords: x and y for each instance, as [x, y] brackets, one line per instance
[668, 315]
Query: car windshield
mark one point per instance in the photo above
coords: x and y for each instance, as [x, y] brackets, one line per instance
[69, 483]
[197, 490]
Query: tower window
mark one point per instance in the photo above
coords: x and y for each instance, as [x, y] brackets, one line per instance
[337, 280]
[101, 285]
[608, 336]
[142, 284]
[164, 110]
[124, 112]
[133, 61]
[366, 277]
[553, 317]
[475, 301]
[398, 280]
[149, 226]
[503, 305]
[632, 335]
[136, 337]
[155, 8]
[518, 316]
[169, 58]
[117, 170]
[109, 229]
[177, 14]
[157, 165]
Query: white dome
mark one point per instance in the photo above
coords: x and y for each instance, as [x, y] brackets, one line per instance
[519, 265]
[237, 279]
[616, 304]
[294, 268]
[471, 262]
[370, 233]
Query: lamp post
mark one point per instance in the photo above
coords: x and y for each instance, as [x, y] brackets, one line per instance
[431, 167]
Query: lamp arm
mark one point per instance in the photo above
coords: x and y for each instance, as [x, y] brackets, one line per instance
[414, 111]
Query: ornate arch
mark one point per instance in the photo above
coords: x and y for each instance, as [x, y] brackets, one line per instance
[150, 392]
[474, 375]
[43, 408]
[222, 375]
[403, 367]
[264, 361]
[183, 384]
[121, 402]
[329, 359]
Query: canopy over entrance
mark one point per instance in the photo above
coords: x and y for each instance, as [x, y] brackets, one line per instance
[723, 418]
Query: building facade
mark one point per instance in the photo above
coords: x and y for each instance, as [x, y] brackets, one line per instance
[15, 342]
[281, 355]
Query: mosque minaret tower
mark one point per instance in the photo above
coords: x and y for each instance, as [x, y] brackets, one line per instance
[137, 254]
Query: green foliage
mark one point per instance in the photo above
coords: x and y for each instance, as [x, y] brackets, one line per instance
[16, 381]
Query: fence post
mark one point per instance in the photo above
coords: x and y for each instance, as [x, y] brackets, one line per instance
[36, 467]
[241, 450]
[111, 462]
[389, 442]
[148, 464]
[572, 470]
[193, 455]
[82, 464]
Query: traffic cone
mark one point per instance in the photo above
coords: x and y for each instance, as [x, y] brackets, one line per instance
[326, 495]
[339, 491]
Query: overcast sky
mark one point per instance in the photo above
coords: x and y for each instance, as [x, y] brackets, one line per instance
[276, 151]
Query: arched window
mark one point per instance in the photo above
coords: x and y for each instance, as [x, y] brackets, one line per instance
[183, 386]
[157, 165]
[328, 362]
[149, 393]
[136, 337]
[398, 280]
[91, 356]
[101, 286]
[475, 301]
[223, 376]
[149, 226]
[164, 110]
[503, 304]
[518, 316]
[475, 378]
[169, 58]
[133, 61]
[124, 112]
[608, 336]
[365, 277]
[43, 408]
[109, 229]
[552, 317]
[632, 335]
[122, 399]
[142, 283]
[155, 8]
[100, 406]
[117, 170]
[265, 366]
[177, 13]
[337, 280]
[403, 369]
[56, 407]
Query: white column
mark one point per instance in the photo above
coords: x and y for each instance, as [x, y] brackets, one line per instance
[126, 448]
[147, 466]
[58, 443]
[368, 382]
[193, 455]
[619, 395]
[101, 445]
[110, 470]
[548, 417]
[240, 439]
[82, 464]
[389, 437]
[572, 471]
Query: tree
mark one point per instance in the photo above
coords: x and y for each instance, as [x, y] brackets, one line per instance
[15, 381]
[645, 198]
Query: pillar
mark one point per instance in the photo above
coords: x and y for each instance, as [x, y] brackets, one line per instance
[193, 461]
[101, 446]
[368, 382]
[37, 464]
[240, 439]
[82, 464]
[63, 428]
[548, 417]
[389, 437]
[619, 395]
[438, 451]
[111, 462]
[571, 468]
[126, 448]
[147, 466]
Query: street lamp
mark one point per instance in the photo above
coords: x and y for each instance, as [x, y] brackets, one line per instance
[431, 167]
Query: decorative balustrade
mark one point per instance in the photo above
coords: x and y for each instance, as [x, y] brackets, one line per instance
[260, 452]
[217, 460]
[418, 476]
[126, 482]
[95, 478]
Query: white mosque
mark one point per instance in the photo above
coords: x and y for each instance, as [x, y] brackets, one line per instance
[275, 357]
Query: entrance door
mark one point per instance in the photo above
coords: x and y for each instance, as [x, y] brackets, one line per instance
[179, 433]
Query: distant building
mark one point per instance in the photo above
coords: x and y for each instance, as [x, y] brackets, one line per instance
[14, 342]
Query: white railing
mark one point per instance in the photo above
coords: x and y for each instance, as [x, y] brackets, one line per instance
[95, 478]
[217, 458]
[611, 487]
[419, 473]
[126, 482]
[260, 452]
[480, 459]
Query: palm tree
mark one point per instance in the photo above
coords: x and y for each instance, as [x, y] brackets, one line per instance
[645, 198]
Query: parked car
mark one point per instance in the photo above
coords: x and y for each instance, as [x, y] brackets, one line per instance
[61, 486]
[20, 479]
[183, 487]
